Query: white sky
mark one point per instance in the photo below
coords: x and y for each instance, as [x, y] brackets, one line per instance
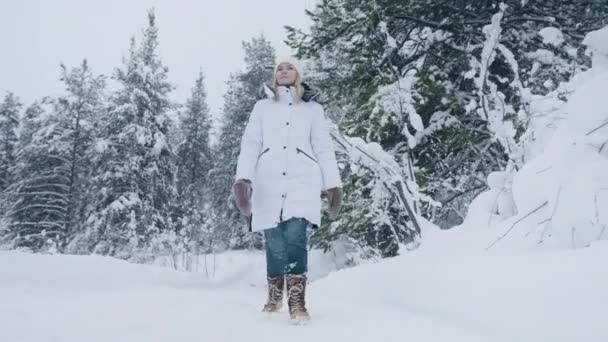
[37, 35]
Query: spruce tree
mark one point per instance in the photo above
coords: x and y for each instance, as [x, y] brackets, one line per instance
[135, 179]
[405, 75]
[53, 165]
[78, 113]
[9, 125]
[194, 161]
[38, 197]
[243, 91]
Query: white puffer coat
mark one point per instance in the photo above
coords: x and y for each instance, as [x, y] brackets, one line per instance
[287, 153]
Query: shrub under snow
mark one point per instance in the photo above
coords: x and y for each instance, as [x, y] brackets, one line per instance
[559, 197]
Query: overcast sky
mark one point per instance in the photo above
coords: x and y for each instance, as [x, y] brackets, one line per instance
[37, 35]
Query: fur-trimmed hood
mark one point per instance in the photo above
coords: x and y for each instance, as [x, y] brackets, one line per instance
[310, 93]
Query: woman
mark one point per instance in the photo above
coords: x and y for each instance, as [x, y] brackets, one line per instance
[286, 163]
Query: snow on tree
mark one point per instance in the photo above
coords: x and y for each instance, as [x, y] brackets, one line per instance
[9, 125]
[49, 196]
[243, 92]
[406, 75]
[595, 42]
[134, 182]
[557, 196]
[38, 197]
[78, 112]
[194, 161]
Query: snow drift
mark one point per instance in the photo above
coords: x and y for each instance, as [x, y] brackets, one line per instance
[558, 199]
[422, 296]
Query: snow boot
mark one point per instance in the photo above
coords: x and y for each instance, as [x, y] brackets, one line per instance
[275, 294]
[296, 293]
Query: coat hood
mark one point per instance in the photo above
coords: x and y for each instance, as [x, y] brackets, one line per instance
[310, 93]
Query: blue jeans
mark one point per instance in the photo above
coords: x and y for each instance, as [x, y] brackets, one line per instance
[286, 252]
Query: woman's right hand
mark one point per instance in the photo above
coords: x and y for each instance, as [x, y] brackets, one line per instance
[242, 193]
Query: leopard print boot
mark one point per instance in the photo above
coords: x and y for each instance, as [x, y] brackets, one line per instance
[275, 295]
[296, 298]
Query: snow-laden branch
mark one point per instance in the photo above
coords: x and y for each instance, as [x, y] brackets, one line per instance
[386, 168]
[493, 108]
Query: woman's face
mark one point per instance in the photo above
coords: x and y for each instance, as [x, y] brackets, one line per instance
[286, 74]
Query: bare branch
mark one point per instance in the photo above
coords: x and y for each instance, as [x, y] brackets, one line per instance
[597, 128]
[544, 170]
[461, 193]
[515, 223]
[603, 145]
[547, 221]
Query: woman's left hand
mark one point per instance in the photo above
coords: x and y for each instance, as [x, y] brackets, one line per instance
[334, 200]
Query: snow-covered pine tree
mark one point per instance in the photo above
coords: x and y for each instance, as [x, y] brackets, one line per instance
[78, 115]
[368, 224]
[371, 218]
[9, 125]
[404, 73]
[134, 182]
[53, 166]
[38, 201]
[194, 161]
[243, 91]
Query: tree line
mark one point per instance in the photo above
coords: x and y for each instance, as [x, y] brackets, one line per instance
[443, 87]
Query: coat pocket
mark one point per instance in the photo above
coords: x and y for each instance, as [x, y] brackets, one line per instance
[263, 152]
[306, 155]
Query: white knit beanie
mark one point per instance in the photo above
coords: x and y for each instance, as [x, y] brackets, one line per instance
[291, 60]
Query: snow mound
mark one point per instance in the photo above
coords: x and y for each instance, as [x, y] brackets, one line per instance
[597, 43]
[558, 199]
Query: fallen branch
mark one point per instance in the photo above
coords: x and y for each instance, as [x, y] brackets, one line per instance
[515, 223]
[597, 128]
[555, 206]
[544, 221]
[543, 170]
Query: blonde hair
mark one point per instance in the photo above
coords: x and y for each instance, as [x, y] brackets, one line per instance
[297, 84]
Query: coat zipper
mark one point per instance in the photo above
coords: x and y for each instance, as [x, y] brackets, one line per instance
[306, 154]
[266, 150]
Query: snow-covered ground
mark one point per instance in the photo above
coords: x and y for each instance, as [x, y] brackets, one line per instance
[421, 296]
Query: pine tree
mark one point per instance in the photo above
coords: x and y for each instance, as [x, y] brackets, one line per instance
[135, 179]
[37, 216]
[53, 164]
[406, 75]
[78, 122]
[369, 223]
[9, 125]
[194, 161]
[243, 91]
